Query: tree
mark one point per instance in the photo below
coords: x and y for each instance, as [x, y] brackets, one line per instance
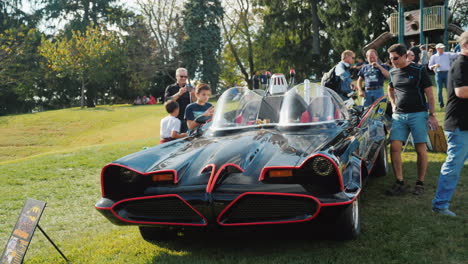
[90, 58]
[238, 28]
[459, 10]
[292, 37]
[19, 70]
[165, 24]
[80, 14]
[202, 45]
[352, 24]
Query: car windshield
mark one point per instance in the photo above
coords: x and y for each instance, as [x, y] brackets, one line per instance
[303, 104]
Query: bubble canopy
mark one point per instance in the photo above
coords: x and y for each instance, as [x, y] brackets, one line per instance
[304, 104]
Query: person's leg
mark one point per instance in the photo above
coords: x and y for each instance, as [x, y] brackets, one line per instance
[457, 154]
[398, 135]
[444, 78]
[421, 160]
[395, 156]
[439, 82]
[418, 126]
[367, 99]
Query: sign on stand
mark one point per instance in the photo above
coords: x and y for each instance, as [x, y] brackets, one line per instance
[23, 232]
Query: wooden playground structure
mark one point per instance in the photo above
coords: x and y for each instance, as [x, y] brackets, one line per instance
[426, 18]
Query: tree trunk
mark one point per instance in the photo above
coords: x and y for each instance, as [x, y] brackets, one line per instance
[315, 28]
[236, 56]
[82, 92]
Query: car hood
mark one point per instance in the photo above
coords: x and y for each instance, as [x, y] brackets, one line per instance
[250, 150]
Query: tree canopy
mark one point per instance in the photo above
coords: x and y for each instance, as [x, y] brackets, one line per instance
[60, 53]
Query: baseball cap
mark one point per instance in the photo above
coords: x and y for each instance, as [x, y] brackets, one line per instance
[440, 46]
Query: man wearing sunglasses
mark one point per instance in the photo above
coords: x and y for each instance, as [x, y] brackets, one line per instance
[182, 93]
[409, 91]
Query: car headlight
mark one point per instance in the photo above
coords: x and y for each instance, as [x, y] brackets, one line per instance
[322, 166]
[128, 176]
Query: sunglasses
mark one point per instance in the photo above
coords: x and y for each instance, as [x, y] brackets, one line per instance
[394, 58]
[181, 76]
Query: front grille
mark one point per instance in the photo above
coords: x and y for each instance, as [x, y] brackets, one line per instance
[270, 208]
[170, 210]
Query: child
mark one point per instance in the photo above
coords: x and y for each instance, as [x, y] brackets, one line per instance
[200, 107]
[170, 125]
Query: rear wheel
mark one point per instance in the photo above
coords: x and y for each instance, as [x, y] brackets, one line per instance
[349, 224]
[381, 163]
[157, 233]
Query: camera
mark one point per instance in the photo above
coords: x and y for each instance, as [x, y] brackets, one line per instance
[189, 87]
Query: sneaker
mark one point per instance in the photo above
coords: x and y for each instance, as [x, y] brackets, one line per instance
[397, 189]
[444, 211]
[418, 189]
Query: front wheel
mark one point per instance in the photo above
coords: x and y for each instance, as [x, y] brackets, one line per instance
[349, 224]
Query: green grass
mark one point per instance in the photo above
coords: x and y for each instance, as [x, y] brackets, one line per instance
[32, 134]
[57, 156]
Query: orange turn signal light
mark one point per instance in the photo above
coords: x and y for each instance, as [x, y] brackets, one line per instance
[280, 173]
[162, 177]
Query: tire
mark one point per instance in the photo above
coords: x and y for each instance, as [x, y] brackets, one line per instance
[157, 233]
[381, 163]
[349, 223]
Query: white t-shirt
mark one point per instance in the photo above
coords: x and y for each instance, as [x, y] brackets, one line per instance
[169, 124]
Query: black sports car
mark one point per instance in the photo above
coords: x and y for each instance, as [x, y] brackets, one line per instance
[264, 159]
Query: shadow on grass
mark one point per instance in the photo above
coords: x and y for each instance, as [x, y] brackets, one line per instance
[106, 109]
[246, 245]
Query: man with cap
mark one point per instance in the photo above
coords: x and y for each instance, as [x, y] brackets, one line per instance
[440, 64]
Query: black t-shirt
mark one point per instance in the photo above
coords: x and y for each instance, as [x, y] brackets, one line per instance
[409, 84]
[456, 114]
[195, 110]
[183, 100]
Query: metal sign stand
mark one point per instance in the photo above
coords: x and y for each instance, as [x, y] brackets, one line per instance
[22, 233]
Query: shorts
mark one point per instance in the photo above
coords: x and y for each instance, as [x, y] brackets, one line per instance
[404, 123]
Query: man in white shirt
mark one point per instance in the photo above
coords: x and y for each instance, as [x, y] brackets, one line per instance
[440, 64]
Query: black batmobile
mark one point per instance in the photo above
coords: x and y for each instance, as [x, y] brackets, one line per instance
[265, 159]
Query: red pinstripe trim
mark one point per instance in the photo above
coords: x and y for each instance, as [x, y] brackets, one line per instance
[218, 220]
[176, 178]
[343, 203]
[212, 182]
[340, 178]
[153, 223]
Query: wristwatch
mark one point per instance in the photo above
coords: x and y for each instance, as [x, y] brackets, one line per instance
[431, 114]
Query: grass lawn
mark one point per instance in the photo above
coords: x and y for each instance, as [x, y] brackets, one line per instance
[57, 156]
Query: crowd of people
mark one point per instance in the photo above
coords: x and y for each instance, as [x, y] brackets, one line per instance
[413, 103]
[410, 94]
[145, 100]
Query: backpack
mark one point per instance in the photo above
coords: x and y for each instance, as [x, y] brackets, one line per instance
[331, 81]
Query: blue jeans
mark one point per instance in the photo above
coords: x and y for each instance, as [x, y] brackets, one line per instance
[457, 154]
[371, 96]
[441, 80]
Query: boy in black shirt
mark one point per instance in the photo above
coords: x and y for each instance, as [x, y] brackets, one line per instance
[456, 129]
[200, 107]
[408, 89]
